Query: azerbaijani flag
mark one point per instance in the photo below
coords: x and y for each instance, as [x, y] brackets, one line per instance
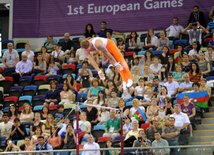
[139, 115]
[177, 58]
[200, 99]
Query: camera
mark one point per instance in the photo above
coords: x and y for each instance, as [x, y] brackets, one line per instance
[140, 139]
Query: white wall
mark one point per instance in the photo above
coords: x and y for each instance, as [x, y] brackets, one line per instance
[38, 42]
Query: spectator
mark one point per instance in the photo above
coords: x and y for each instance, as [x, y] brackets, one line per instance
[153, 128]
[110, 86]
[36, 123]
[89, 31]
[70, 58]
[172, 86]
[127, 125]
[112, 71]
[195, 87]
[120, 44]
[104, 115]
[195, 73]
[151, 40]
[84, 125]
[134, 41]
[211, 42]
[203, 65]
[139, 63]
[156, 66]
[71, 83]
[34, 138]
[140, 89]
[92, 113]
[158, 142]
[168, 106]
[178, 74]
[102, 32]
[29, 53]
[186, 65]
[203, 86]
[28, 147]
[80, 56]
[85, 82]
[170, 64]
[148, 76]
[109, 144]
[52, 96]
[10, 147]
[132, 135]
[181, 121]
[189, 108]
[5, 126]
[40, 66]
[57, 55]
[112, 126]
[27, 115]
[45, 55]
[13, 113]
[62, 131]
[70, 138]
[66, 95]
[101, 98]
[47, 125]
[186, 85]
[55, 139]
[194, 33]
[59, 114]
[148, 58]
[210, 29]
[175, 30]
[136, 105]
[163, 75]
[45, 112]
[211, 13]
[147, 97]
[209, 56]
[142, 141]
[117, 78]
[113, 101]
[67, 44]
[164, 56]
[197, 16]
[94, 90]
[171, 134]
[109, 36]
[156, 86]
[10, 57]
[122, 107]
[195, 52]
[152, 111]
[91, 145]
[50, 43]
[180, 53]
[23, 68]
[18, 130]
[42, 145]
[162, 95]
[163, 41]
[81, 70]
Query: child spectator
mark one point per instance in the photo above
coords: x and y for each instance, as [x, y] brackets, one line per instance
[127, 126]
[52, 70]
[5, 127]
[121, 45]
[66, 95]
[104, 115]
[60, 114]
[113, 101]
[109, 144]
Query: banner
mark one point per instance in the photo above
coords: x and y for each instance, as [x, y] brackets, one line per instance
[40, 18]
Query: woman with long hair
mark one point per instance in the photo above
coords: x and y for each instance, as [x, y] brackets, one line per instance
[163, 41]
[186, 65]
[171, 64]
[10, 147]
[164, 56]
[71, 83]
[44, 114]
[134, 41]
[181, 53]
[152, 111]
[151, 39]
[40, 66]
[36, 123]
[195, 73]
[47, 125]
[162, 95]
[89, 31]
[13, 113]
[110, 86]
[55, 140]
[140, 89]
[34, 138]
[103, 83]
[204, 65]
[52, 96]
[109, 145]
[135, 75]
[45, 55]
[195, 52]
[66, 95]
[70, 138]
[163, 75]
[148, 58]
[101, 98]
[27, 115]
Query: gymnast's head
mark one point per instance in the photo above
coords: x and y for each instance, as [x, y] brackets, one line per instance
[85, 44]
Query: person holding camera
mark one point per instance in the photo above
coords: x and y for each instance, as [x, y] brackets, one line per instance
[70, 138]
[142, 141]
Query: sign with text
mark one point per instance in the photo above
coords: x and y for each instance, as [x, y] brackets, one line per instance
[40, 18]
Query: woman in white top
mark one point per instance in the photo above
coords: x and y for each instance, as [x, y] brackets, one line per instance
[27, 115]
[103, 115]
[57, 55]
[147, 97]
[151, 40]
[134, 41]
[101, 98]
[162, 95]
[155, 67]
[140, 89]
[29, 53]
[135, 103]
[195, 52]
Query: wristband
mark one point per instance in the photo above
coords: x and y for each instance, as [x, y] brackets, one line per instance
[100, 71]
[116, 64]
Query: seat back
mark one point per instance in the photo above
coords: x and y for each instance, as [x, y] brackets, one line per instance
[7, 84]
[12, 98]
[26, 78]
[43, 77]
[32, 87]
[145, 126]
[29, 98]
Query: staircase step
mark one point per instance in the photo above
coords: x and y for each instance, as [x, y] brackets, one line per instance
[209, 115]
[196, 151]
[207, 121]
[204, 132]
[211, 109]
[201, 139]
[205, 126]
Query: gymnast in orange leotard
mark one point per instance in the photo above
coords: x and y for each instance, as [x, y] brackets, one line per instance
[112, 53]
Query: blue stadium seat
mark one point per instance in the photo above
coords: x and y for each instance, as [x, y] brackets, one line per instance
[0, 59]
[29, 98]
[99, 127]
[170, 44]
[181, 42]
[6, 109]
[129, 103]
[210, 78]
[39, 97]
[20, 50]
[31, 87]
[141, 53]
[38, 107]
[3, 50]
[79, 66]
[81, 94]
[158, 52]
[65, 75]
[27, 131]
[54, 41]
[62, 39]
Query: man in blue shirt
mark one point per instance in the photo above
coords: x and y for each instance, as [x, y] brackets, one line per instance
[210, 27]
[67, 44]
[43, 146]
[102, 32]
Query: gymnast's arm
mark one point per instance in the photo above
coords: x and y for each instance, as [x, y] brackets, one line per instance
[93, 63]
[99, 46]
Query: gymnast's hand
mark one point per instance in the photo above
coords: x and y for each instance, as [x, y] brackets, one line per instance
[118, 66]
[101, 75]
